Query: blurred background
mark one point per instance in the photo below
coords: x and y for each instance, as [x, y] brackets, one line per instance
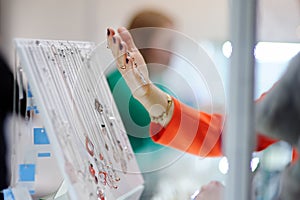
[204, 21]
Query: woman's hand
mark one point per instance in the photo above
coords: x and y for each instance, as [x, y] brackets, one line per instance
[130, 62]
[134, 70]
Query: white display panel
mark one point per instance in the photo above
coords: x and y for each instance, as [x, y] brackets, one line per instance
[82, 122]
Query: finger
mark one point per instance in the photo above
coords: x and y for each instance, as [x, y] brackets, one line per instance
[115, 46]
[129, 62]
[122, 55]
[110, 34]
[126, 37]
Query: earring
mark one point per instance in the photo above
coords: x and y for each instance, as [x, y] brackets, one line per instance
[89, 146]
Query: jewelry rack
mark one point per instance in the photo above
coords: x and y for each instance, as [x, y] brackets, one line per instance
[81, 119]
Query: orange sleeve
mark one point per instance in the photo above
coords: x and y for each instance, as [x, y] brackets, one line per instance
[191, 131]
[196, 132]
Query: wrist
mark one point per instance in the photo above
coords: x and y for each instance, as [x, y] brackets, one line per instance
[154, 100]
[165, 114]
[158, 104]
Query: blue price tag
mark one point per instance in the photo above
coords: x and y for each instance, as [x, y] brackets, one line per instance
[31, 192]
[26, 172]
[44, 155]
[8, 195]
[40, 136]
[36, 111]
[29, 94]
[29, 108]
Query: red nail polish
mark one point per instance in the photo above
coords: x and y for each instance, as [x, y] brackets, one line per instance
[114, 39]
[127, 60]
[120, 46]
[108, 32]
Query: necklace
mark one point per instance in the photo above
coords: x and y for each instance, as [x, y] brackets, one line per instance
[84, 122]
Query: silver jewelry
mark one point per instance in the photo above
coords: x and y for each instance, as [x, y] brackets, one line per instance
[162, 117]
[79, 109]
[123, 67]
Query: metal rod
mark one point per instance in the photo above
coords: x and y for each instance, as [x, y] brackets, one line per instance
[239, 136]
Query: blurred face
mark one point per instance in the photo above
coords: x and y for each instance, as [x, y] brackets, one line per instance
[161, 55]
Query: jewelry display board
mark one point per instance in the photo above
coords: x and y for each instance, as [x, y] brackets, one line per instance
[81, 119]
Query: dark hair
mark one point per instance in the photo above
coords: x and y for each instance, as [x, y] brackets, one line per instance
[145, 19]
[150, 18]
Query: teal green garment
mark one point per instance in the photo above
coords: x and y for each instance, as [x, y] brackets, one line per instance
[134, 116]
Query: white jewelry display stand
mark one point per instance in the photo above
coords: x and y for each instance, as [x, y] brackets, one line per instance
[86, 134]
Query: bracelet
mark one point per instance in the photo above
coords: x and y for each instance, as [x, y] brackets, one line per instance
[161, 118]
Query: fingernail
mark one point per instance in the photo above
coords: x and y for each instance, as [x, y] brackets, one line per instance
[114, 39]
[108, 32]
[120, 46]
[127, 60]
